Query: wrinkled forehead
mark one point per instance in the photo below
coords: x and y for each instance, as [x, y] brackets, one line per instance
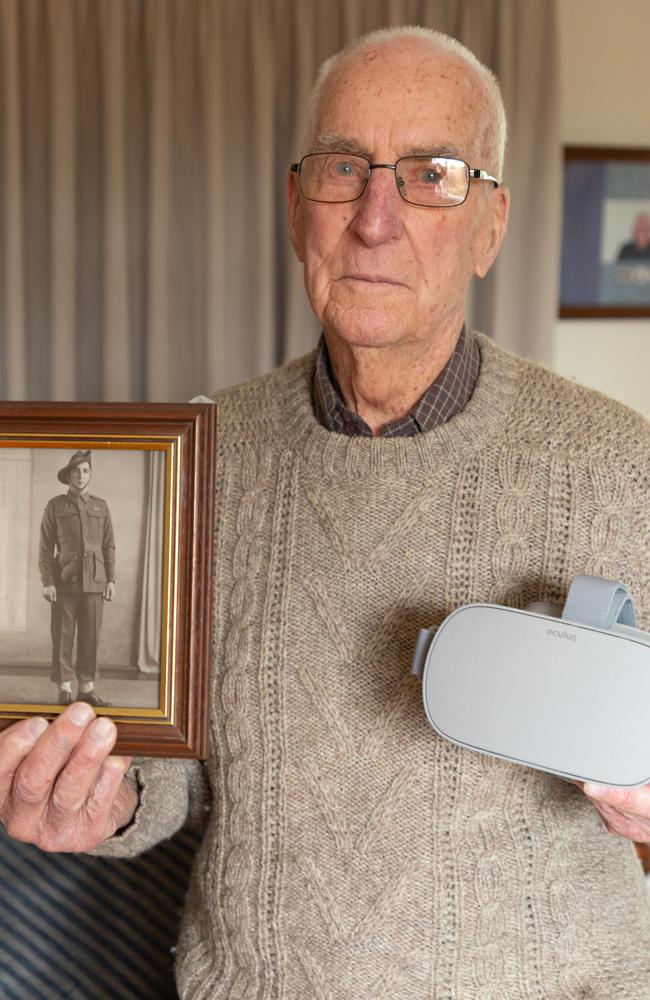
[408, 97]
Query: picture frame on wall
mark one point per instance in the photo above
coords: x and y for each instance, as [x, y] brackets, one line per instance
[605, 269]
[106, 547]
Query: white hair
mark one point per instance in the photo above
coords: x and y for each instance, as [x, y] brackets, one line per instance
[494, 127]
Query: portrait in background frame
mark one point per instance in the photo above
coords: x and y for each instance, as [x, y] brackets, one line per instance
[606, 233]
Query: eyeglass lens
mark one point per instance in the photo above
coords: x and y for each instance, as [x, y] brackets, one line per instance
[421, 180]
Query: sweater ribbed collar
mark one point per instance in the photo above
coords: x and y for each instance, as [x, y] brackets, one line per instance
[487, 413]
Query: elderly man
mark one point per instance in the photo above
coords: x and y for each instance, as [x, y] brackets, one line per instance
[638, 248]
[407, 467]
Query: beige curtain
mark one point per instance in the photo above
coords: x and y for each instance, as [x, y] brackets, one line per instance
[143, 157]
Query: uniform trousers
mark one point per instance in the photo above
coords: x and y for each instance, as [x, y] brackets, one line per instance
[80, 614]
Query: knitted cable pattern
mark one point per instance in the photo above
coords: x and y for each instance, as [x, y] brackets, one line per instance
[237, 978]
[353, 854]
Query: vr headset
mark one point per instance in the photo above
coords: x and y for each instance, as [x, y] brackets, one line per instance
[564, 690]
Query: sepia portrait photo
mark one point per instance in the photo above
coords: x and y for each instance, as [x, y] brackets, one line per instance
[81, 576]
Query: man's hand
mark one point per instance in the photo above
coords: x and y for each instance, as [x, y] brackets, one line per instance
[59, 788]
[109, 591]
[49, 593]
[625, 811]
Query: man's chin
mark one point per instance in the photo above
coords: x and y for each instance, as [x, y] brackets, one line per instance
[366, 328]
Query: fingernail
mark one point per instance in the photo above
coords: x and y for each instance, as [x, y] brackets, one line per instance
[80, 713]
[36, 728]
[116, 764]
[101, 730]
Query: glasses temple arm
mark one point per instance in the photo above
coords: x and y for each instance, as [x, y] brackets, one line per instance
[482, 175]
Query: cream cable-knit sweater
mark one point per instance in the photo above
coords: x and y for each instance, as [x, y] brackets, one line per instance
[352, 854]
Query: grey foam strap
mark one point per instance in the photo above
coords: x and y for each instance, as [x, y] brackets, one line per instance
[600, 603]
[425, 636]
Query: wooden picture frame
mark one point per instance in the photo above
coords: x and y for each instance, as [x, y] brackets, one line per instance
[154, 465]
[605, 270]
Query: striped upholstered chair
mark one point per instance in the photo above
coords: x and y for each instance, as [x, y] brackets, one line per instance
[86, 928]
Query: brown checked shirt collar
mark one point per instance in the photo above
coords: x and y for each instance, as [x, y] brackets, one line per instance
[444, 398]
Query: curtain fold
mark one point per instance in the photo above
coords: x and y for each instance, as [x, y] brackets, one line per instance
[115, 308]
[143, 243]
[13, 342]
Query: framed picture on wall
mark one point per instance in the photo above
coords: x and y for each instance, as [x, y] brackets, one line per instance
[106, 539]
[606, 232]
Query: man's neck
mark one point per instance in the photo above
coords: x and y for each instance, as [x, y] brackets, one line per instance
[383, 384]
[73, 493]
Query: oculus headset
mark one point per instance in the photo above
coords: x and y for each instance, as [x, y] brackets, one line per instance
[564, 690]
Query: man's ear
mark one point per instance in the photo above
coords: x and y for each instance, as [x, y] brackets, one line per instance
[492, 230]
[294, 215]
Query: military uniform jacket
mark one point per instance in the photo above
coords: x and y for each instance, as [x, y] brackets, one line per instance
[77, 546]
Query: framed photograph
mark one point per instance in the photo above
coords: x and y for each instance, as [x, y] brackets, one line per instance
[106, 547]
[605, 233]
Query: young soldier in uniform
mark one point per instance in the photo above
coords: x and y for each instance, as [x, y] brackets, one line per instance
[76, 559]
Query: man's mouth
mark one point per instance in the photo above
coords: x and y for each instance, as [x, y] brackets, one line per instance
[373, 279]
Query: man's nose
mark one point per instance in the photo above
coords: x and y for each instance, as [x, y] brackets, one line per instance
[378, 215]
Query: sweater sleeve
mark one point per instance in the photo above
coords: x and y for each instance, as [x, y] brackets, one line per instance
[173, 793]
[641, 537]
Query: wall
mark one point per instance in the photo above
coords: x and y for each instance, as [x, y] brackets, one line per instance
[604, 87]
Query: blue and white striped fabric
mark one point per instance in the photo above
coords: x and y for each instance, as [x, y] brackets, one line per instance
[87, 928]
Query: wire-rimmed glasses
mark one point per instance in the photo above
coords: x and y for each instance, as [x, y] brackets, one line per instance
[427, 181]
